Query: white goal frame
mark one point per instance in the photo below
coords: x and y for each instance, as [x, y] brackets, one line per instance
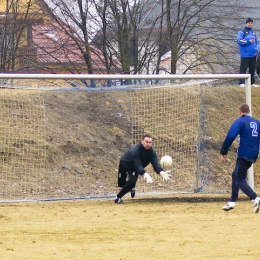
[145, 77]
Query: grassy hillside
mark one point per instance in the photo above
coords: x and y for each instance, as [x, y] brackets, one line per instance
[82, 135]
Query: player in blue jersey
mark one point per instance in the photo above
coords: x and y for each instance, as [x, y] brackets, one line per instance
[133, 163]
[247, 128]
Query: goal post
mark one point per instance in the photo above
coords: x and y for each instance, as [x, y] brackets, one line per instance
[62, 143]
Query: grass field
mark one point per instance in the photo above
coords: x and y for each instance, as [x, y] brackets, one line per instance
[172, 227]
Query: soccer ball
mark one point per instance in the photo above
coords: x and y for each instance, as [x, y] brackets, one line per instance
[166, 161]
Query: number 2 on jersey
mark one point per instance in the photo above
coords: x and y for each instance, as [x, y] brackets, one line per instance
[253, 125]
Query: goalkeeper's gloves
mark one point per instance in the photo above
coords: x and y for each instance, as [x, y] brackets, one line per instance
[148, 178]
[165, 175]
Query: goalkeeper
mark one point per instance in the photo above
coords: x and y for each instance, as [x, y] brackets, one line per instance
[133, 162]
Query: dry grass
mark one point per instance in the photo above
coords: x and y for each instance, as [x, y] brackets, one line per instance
[85, 138]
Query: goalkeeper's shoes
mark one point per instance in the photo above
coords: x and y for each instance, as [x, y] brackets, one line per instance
[118, 201]
[230, 205]
[256, 204]
[132, 193]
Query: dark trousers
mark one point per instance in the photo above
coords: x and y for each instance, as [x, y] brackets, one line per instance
[239, 180]
[127, 183]
[250, 63]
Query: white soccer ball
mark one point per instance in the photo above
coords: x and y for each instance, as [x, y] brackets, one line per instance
[166, 161]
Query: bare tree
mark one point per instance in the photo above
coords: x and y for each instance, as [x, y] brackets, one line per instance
[126, 34]
[76, 18]
[73, 18]
[196, 32]
[118, 29]
[132, 36]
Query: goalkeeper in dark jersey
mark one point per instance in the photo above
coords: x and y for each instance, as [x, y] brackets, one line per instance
[133, 163]
[248, 130]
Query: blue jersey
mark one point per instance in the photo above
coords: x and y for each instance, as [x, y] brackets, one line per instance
[248, 130]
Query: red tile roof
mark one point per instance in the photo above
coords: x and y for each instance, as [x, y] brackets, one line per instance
[55, 46]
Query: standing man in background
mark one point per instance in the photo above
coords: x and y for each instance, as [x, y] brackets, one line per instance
[248, 47]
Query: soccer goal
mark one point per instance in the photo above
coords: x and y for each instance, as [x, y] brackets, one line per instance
[62, 135]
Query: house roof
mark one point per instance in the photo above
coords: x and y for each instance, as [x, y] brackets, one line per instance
[53, 45]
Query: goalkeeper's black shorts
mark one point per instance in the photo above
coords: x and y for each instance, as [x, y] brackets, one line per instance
[122, 175]
[121, 180]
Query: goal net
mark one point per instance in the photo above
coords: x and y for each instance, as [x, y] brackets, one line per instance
[59, 141]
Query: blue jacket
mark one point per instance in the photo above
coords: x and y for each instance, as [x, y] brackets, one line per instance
[246, 48]
[247, 128]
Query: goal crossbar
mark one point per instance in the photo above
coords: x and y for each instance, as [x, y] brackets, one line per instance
[125, 76]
